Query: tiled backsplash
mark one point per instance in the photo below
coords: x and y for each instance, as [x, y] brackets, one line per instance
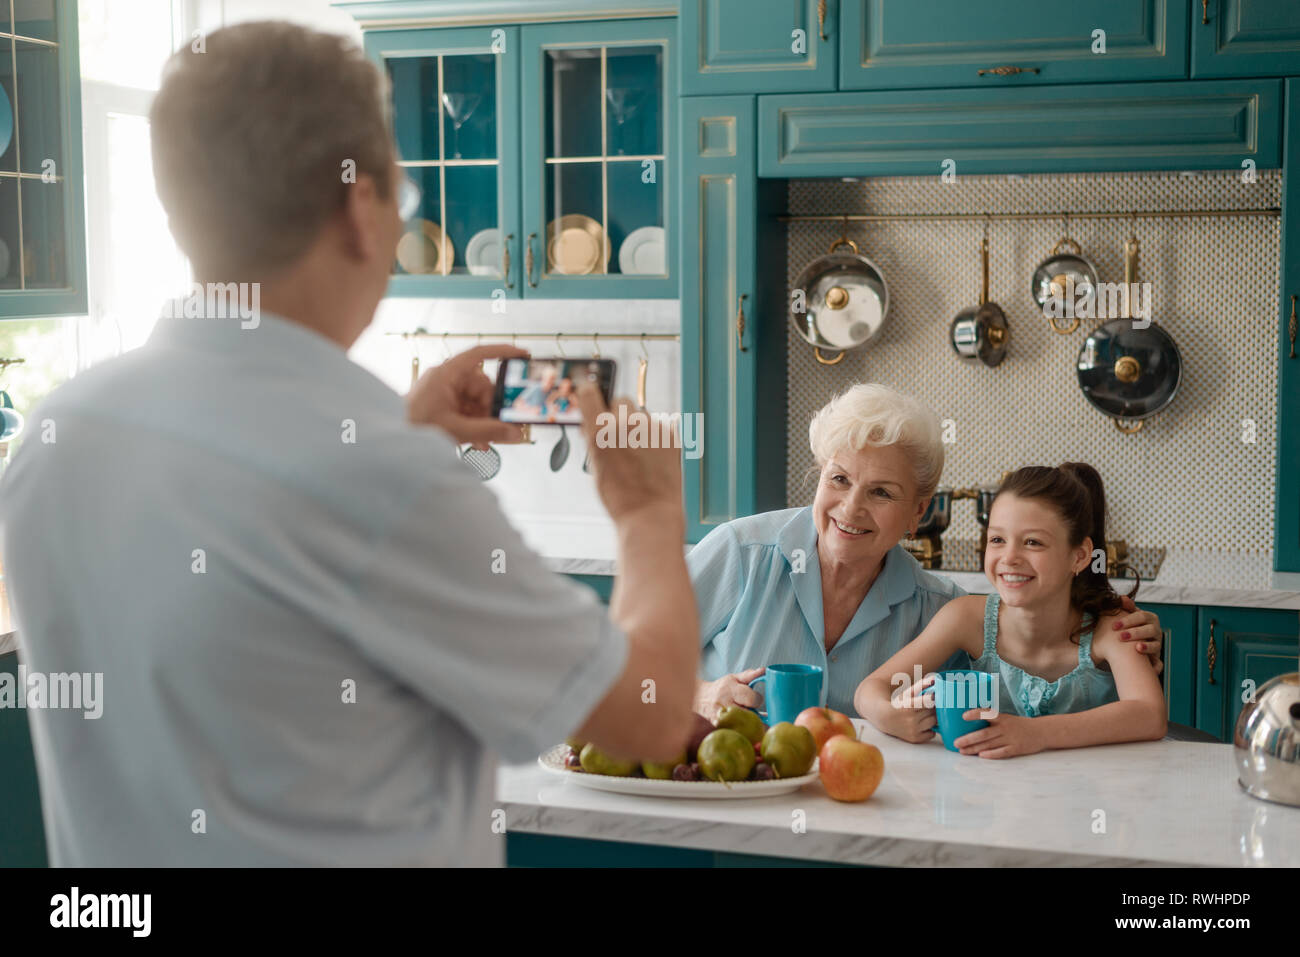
[1188, 479]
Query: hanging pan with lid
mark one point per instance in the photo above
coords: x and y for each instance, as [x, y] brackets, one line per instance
[845, 300]
[1129, 371]
[982, 332]
[1064, 274]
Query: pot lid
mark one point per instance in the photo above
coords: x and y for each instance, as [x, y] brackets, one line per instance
[1128, 372]
[845, 298]
[844, 308]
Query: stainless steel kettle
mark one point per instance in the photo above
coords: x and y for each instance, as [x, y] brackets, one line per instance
[1266, 741]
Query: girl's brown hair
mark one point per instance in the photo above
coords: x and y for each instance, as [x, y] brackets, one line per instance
[1075, 491]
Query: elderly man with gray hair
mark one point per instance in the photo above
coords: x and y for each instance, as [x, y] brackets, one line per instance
[314, 624]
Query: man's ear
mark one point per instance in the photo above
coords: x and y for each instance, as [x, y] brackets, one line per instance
[359, 218]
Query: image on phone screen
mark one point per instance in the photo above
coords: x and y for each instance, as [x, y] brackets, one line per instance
[545, 390]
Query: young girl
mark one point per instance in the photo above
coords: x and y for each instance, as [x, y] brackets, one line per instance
[1064, 678]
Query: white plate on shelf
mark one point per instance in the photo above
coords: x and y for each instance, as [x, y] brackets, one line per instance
[552, 760]
[483, 253]
[643, 252]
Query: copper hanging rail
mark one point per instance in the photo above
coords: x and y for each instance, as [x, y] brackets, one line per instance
[921, 217]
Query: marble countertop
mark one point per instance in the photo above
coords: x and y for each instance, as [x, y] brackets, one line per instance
[1155, 803]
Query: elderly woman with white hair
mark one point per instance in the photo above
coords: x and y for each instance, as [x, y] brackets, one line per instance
[829, 584]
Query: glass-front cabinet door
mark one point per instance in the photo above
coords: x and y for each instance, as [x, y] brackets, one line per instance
[42, 229]
[597, 115]
[456, 120]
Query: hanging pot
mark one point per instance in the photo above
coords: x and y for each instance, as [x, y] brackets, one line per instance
[845, 301]
[1059, 276]
[982, 332]
[1129, 372]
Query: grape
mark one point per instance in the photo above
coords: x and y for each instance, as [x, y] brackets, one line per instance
[684, 772]
[571, 759]
[762, 772]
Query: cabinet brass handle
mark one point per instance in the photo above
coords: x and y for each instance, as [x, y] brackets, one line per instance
[528, 260]
[821, 19]
[1008, 70]
[1211, 653]
[740, 322]
[1205, 11]
[505, 261]
[1291, 328]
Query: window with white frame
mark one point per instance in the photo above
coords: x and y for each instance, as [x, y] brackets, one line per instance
[132, 260]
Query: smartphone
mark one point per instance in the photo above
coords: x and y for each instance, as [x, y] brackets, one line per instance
[541, 391]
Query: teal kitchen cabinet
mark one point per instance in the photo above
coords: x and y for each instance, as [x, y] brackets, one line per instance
[22, 832]
[733, 335]
[1211, 124]
[757, 46]
[455, 119]
[897, 44]
[1238, 649]
[542, 153]
[42, 209]
[1286, 524]
[1178, 622]
[1245, 38]
[598, 121]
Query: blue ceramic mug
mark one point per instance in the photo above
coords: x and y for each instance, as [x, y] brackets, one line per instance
[788, 690]
[956, 691]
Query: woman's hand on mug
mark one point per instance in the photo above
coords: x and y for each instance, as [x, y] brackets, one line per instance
[910, 716]
[712, 696]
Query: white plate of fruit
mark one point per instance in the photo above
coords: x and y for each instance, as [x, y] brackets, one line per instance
[736, 757]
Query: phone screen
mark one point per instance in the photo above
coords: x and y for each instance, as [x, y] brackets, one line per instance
[540, 391]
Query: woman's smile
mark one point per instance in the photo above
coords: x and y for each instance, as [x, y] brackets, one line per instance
[850, 531]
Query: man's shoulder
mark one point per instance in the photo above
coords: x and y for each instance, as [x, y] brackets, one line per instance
[102, 386]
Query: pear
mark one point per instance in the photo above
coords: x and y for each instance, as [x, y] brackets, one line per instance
[662, 772]
[596, 761]
[726, 755]
[790, 749]
[699, 731]
[743, 720]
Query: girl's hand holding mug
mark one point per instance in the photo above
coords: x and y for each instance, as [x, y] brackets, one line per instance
[1006, 736]
[911, 716]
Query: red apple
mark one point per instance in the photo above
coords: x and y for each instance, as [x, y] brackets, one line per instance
[825, 722]
[850, 770]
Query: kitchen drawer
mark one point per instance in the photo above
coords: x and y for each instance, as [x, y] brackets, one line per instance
[1212, 124]
[898, 44]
